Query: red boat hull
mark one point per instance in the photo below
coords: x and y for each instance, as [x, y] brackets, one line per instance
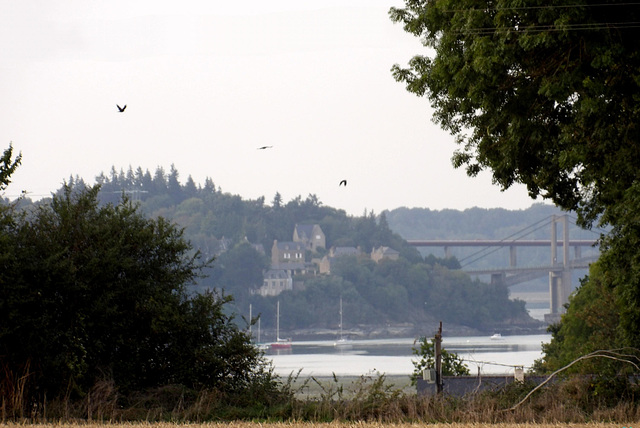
[280, 346]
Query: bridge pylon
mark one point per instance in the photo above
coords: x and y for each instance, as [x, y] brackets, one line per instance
[559, 280]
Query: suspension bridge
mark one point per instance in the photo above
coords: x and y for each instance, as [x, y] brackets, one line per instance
[560, 268]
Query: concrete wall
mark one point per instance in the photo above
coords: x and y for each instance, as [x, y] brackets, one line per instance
[464, 385]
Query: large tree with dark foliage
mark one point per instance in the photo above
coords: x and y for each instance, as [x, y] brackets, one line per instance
[92, 292]
[544, 94]
[540, 93]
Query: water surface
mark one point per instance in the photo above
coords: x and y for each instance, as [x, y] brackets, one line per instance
[395, 356]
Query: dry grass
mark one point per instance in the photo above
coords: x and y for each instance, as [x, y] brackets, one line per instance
[362, 403]
[321, 425]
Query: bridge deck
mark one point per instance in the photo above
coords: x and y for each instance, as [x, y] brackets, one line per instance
[582, 263]
[498, 243]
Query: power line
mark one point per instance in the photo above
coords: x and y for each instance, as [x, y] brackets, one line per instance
[549, 28]
[569, 6]
[471, 360]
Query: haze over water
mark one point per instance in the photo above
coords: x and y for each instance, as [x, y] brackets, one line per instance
[394, 356]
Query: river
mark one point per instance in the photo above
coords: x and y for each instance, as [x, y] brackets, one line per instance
[394, 357]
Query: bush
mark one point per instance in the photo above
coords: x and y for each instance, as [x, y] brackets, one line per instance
[100, 293]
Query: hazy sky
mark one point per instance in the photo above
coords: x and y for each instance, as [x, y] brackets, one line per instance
[208, 82]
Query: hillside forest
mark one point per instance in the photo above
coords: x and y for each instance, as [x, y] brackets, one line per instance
[238, 235]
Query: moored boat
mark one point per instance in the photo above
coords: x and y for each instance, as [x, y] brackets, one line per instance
[342, 342]
[280, 343]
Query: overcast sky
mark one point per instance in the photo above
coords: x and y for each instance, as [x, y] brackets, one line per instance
[208, 82]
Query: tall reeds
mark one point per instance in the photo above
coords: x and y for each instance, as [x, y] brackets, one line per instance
[13, 388]
[370, 398]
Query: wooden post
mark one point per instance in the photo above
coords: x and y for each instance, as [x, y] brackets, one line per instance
[438, 344]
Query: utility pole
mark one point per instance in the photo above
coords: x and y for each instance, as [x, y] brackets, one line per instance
[438, 344]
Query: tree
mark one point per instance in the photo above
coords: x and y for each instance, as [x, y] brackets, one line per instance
[8, 166]
[190, 188]
[544, 95]
[452, 364]
[159, 183]
[547, 94]
[94, 291]
[238, 271]
[173, 185]
[277, 201]
[590, 324]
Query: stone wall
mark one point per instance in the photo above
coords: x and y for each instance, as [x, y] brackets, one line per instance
[465, 385]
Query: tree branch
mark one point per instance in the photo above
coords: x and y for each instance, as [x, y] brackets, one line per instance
[604, 353]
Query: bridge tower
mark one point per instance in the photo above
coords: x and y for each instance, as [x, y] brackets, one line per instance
[560, 279]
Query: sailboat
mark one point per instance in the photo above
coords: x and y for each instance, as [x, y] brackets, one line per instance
[261, 346]
[280, 343]
[342, 342]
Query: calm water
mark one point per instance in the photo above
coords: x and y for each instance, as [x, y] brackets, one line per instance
[394, 356]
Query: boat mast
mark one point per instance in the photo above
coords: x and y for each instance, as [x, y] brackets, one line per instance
[340, 317]
[278, 321]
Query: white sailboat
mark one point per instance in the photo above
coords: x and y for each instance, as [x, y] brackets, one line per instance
[342, 342]
[280, 343]
[261, 346]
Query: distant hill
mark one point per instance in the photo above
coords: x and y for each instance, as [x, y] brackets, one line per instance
[407, 289]
[478, 223]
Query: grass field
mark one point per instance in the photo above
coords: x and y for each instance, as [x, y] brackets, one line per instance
[313, 388]
[321, 425]
[359, 403]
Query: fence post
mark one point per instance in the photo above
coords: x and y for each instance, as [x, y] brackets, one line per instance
[438, 343]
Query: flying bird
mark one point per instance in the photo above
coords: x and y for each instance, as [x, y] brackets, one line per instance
[121, 109]
[264, 147]
[343, 182]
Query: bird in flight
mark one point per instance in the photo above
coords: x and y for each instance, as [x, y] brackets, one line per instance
[264, 147]
[121, 109]
[343, 182]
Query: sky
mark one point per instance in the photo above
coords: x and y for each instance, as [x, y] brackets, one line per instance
[208, 82]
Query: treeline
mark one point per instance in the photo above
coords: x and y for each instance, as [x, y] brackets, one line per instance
[413, 289]
[233, 231]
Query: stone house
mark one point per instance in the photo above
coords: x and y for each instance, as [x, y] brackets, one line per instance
[275, 282]
[324, 266]
[287, 252]
[380, 253]
[311, 235]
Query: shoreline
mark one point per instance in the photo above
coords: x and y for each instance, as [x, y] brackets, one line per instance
[403, 331]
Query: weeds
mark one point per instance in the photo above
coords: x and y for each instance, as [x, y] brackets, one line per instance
[13, 387]
[369, 398]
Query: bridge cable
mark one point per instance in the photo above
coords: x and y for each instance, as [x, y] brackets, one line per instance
[603, 231]
[572, 218]
[546, 221]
